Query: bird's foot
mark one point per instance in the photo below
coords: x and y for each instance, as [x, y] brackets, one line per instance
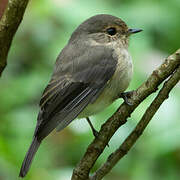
[126, 96]
[94, 131]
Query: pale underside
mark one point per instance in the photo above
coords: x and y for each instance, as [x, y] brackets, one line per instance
[117, 84]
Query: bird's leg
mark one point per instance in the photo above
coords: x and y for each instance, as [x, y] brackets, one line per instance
[95, 133]
[126, 96]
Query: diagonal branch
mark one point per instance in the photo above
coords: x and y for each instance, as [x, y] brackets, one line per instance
[9, 23]
[135, 134]
[94, 150]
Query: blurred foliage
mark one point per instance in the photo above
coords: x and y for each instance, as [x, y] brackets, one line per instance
[45, 30]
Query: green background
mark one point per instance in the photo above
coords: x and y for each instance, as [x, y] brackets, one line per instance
[46, 28]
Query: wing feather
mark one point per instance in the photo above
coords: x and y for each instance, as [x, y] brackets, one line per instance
[75, 83]
[66, 115]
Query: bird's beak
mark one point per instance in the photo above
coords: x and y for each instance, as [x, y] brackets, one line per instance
[133, 31]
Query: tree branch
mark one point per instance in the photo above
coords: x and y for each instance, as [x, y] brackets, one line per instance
[94, 150]
[135, 134]
[9, 23]
[2, 7]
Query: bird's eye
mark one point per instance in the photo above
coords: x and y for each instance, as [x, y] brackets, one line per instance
[111, 31]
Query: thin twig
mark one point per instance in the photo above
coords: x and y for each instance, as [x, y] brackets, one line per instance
[94, 150]
[135, 134]
[9, 23]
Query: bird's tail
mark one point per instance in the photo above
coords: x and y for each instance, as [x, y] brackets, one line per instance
[29, 157]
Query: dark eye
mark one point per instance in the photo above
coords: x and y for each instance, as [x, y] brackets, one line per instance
[111, 31]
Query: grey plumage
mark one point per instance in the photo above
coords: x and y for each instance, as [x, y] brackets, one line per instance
[90, 71]
[68, 94]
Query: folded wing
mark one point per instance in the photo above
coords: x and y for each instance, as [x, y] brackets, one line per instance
[74, 84]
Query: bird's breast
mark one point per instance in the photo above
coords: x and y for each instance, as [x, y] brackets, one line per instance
[121, 78]
[123, 73]
[117, 84]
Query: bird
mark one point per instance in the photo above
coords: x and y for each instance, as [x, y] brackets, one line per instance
[90, 73]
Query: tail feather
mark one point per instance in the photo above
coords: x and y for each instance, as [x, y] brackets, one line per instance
[29, 157]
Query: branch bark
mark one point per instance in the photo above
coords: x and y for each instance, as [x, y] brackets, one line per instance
[9, 24]
[135, 134]
[2, 7]
[94, 150]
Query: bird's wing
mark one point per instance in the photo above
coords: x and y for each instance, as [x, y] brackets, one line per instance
[76, 81]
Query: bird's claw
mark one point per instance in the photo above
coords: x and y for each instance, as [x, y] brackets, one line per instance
[126, 96]
[95, 133]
